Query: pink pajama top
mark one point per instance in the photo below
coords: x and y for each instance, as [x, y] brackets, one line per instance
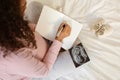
[26, 64]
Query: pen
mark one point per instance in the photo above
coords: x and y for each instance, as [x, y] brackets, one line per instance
[60, 30]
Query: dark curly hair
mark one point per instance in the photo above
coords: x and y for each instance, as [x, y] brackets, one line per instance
[14, 30]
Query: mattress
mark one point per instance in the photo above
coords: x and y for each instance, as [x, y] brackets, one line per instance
[104, 52]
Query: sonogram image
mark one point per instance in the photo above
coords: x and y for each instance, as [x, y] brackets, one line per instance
[79, 55]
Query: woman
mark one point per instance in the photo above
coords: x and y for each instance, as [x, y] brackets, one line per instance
[24, 54]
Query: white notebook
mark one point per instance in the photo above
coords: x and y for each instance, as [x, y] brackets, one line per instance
[49, 22]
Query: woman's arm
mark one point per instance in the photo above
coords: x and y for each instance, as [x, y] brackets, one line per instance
[24, 63]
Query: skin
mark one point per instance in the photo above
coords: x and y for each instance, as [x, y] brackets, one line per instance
[65, 32]
[22, 6]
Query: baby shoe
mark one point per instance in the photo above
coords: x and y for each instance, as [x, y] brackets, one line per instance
[104, 31]
[100, 28]
[96, 25]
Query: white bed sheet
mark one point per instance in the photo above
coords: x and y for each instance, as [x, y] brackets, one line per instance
[103, 52]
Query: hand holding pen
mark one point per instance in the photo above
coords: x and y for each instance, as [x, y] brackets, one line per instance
[63, 31]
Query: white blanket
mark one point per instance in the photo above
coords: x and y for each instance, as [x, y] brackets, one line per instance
[103, 52]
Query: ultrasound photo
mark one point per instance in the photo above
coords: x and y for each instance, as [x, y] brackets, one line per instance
[79, 55]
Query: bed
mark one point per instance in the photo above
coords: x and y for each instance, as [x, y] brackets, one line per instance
[104, 52]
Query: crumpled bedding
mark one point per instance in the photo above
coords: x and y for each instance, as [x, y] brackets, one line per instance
[104, 52]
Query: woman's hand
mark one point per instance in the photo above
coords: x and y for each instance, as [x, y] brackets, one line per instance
[63, 31]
